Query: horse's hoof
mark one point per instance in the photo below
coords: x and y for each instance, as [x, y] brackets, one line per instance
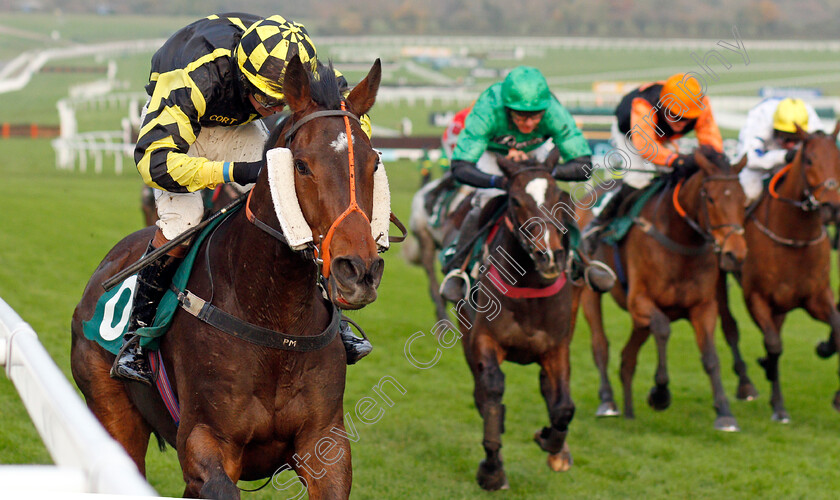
[727, 424]
[781, 416]
[491, 478]
[659, 398]
[826, 349]
[836, 402]
[746, 392]
[607, 409]
[561, 462]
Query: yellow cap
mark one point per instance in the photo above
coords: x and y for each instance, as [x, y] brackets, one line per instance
[265, 48]
[789, 113]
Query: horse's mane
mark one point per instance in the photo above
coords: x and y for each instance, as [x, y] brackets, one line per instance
[326, 88]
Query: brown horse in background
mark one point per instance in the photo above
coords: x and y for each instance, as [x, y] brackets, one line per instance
[524, 251]
[670, 258]
[248, 409]
[788, 264]
[430, 238]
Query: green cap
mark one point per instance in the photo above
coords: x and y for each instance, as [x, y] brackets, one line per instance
[525, 89]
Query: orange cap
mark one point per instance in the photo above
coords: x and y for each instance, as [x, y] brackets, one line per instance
[682, 94]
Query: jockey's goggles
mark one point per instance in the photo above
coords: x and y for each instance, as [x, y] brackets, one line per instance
[268, 102]
[521, 118]
[785, 137]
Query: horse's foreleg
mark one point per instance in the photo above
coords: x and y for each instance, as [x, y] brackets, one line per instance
[703, 318]
[211, 466]
[817, 309]
[322, 462]
[640, 309]
[659, 397]
[554, 384]
[771, 328]
[489, 389]
[746, 389]
[821, 307]
[591, 303]
[108, 399]
[427, 258]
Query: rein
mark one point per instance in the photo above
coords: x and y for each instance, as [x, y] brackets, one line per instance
[809, 204]
[650, 229]
[508, 290]
[706, 233]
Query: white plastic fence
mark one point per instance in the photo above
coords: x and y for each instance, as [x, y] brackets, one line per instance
[87, 459]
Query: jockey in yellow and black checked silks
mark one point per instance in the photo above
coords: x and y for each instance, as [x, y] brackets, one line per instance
[198, 79]
[272, 43]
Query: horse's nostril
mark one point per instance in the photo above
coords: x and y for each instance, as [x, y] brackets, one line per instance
[376, 270]
[348, 269]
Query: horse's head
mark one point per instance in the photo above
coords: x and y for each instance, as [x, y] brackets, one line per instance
[532, 186]
[819, 159]
[720, 208]
[333, 167]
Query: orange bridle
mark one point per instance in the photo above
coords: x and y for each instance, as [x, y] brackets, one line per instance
[322, 255]
[353, 207]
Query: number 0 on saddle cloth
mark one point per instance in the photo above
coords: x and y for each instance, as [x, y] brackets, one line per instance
[110, 317]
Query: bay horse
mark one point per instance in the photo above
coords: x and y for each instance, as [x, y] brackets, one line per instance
[520, 310]
[669, 260]
[248, 408]
[431, 237]
[788, 263]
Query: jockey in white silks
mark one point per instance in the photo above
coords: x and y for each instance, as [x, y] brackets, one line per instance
[769, 139]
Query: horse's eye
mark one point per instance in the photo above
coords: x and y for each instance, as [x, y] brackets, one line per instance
[301, 167]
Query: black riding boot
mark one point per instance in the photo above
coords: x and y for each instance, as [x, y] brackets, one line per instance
[592, 232]
[454, 286]
[355, 347]
[152, 282]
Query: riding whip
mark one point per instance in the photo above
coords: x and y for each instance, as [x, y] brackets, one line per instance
[169, 245]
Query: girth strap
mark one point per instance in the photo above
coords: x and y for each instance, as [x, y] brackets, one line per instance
[254, 334]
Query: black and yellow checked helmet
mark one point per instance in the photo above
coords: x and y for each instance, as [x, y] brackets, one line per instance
[266, 47]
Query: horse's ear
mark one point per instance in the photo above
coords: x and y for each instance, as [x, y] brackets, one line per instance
[363, 95]
[704, 163]
[296, 85]
[740, 165]
[507, 166]
[552, 159]
[800, 132]
[836, 129]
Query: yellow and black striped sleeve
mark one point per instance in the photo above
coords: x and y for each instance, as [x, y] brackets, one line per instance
[171, 126]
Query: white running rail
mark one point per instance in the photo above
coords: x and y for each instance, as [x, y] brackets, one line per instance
[88, 460]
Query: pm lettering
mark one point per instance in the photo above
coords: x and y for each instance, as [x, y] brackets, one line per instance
[290, 343]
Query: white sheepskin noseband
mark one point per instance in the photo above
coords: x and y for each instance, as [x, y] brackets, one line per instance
[380, 221]
[281, 179]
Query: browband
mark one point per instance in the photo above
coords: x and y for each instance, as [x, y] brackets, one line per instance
[296, 125]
